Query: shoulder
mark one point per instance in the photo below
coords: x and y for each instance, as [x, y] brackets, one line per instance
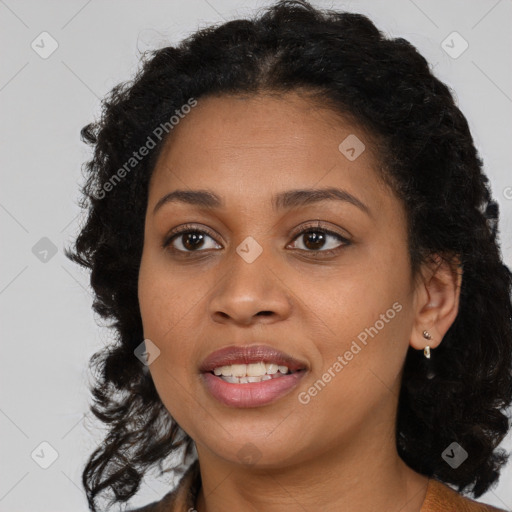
[182, 498]
[442, 498]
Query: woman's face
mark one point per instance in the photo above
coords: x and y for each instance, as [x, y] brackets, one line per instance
[342, 304]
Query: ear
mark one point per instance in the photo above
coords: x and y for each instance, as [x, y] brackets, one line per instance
[436, 300]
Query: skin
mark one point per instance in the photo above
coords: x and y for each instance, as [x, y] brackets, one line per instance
[338, 451]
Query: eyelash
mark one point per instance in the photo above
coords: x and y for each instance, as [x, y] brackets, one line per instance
[312, 228]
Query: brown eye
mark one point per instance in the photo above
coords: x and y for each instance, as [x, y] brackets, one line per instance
[192, 240]
[320, 240]
[314, 239]
[189, 240]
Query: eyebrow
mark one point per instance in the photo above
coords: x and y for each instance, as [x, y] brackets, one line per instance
[284, 200]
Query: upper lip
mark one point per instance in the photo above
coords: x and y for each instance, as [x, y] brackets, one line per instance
[250, 354]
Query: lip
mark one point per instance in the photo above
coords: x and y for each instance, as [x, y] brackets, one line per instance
[252, 394]
[250, 354]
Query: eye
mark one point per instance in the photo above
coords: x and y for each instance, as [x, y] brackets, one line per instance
[318, 239]
[188, 239]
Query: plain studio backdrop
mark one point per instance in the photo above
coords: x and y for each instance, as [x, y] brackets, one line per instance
[59, 58]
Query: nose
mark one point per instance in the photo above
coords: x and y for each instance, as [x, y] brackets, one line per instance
[250, 292]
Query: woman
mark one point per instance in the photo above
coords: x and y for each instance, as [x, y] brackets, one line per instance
[291, 229]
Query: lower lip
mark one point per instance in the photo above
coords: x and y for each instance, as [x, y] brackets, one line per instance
[252, 394]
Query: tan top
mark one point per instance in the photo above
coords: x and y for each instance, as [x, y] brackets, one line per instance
[439, 497]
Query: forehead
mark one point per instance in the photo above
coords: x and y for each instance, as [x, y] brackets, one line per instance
[262, 144]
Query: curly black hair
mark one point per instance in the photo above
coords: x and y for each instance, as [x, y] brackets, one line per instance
[427, 154]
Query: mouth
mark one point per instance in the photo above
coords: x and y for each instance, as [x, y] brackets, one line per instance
[251, 376]
[253, 372]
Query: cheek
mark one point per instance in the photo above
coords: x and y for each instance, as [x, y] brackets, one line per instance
[164, 307]
[163, 299]
[359, 368]
[354, 298]
[364, 314]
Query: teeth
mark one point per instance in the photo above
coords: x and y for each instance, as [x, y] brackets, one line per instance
[271, 368]
[238, 370]
[252, 379]
[247, 380]
[250, 371]
[231, 380]
[256, 369]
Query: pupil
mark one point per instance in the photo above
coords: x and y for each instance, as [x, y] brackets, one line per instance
[316, 239]
[197, 237]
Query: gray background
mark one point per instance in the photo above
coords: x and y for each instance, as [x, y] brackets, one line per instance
[48, 328]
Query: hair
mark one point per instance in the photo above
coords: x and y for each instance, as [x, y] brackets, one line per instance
[428, 156]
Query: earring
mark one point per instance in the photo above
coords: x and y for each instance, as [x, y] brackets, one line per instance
[426, 350]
